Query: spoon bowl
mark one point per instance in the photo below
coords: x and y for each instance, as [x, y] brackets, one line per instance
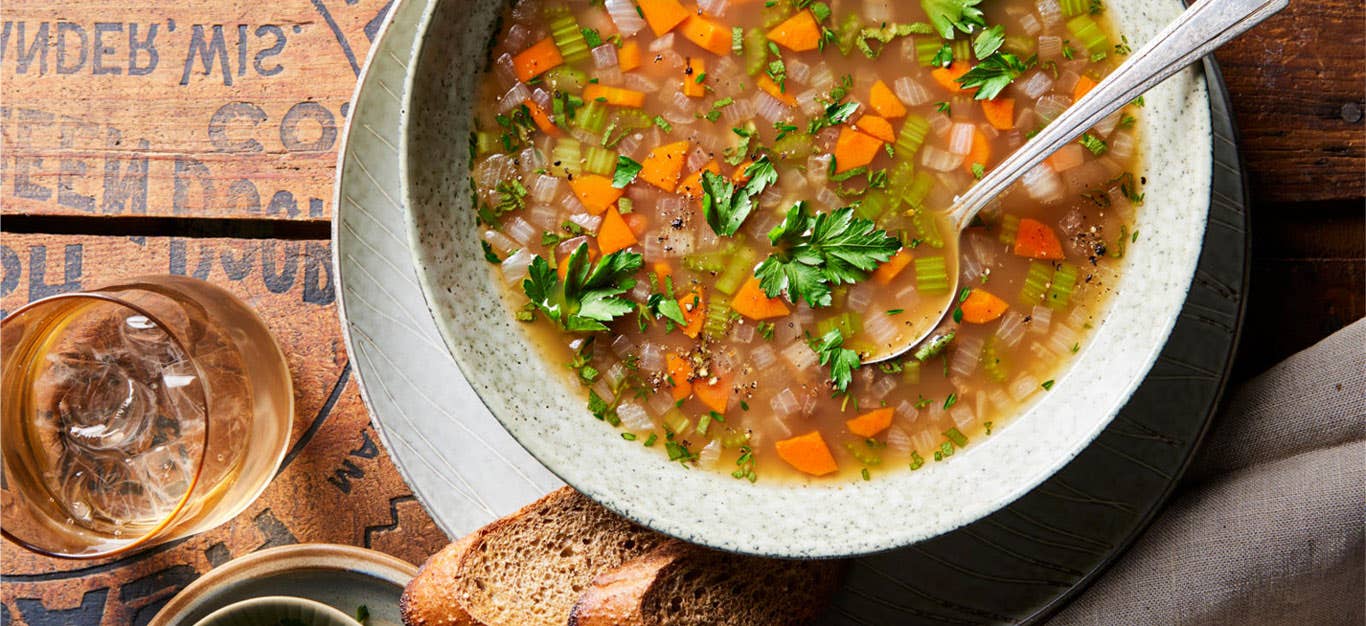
[1199, 31]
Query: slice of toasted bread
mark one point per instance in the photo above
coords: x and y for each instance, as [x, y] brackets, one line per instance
[526, 569]
[679, 584]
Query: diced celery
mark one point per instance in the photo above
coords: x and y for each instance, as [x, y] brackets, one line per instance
[864, 453]
[920, 188]
[927, 227]
[1074, 7]
[734, 439]
[1035, 283]
[931, 275]
[926, 46]
[775, 13]
[675, 420]
[912, 136]
[1060, 291]
[740, 268]
[1088, 33]
[756, 51]
[485, 143]
[569, 39]
[962, 49]
[599, 161]
[848, 322]
[993, 363]
[873, 204]
[1010, 226]
[910, 372]
[567, 156]
[706, 261]
[848, 32]
[1020, 45]
[794, 147]
[719, 316]
[838, 295]
[899, 181]
[592, 117]
[565, 79]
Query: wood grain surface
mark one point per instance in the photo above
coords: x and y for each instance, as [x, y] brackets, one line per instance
[337, 485]
[200, 138]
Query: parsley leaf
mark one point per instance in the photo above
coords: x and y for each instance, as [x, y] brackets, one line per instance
[993, 74]
[727, 207]
[949, 14]
[989, 41]
[820, 251]
[589, 296]
[944, 57]
[842, 361]
[489, 254]
[626, 171]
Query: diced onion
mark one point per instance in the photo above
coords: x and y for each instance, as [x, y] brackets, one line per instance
[622, 346]
[1042, 183]
[898, 442]
[762, 357]
[741, 110]
[663, 43]
[499, 242]
[960, 138]
[514, 98]
[1067, 157]
[521, 231]
[651, 357]
[1050, 47]
[911, 91]
[515, 267]
[1050, 12]
[605, 56]
[880, 328]
[940, 160]
[625, 15]
[742, 333]
[1122, 145]
[800, 356]
[696, 159]
[966, 355]
[962, 415]
[1012, 329]
[634, 417]
[1023, 387]
[877, 11]
[785, 402]
[1040, 319]
[544, 188]
[588, 221]
[1036, 84]
[503, 67]
[543, 216]
[1051, 106]
[638, 82]
[770, 108]
[882, 386]
[1030, 24]
[798, 71]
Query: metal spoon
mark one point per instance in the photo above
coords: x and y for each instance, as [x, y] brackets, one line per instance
[1200, 30]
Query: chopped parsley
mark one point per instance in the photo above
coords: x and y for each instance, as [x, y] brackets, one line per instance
[627, 170]
[489, 254]
[993, 74]
[842, 361]
[727, 207]
[944, 57]
[591, 36]
[1047, 385]
[987, 42]
[1093, 143]
[589, 296]
[819, 251]
[765, 330]
[663, 124]
[947, 15]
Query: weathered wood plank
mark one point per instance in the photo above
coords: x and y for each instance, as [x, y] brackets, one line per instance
[1296, 83]
[339, 485]
[200, 108]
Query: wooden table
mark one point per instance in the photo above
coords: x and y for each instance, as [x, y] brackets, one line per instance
[201, 140]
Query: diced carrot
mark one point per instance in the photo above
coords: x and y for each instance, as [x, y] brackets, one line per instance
[871, 423]
[680, 376]
[765, 83]
[692, 185]
[799, 33]
[663, 15]
[542, 120]
[595, 192]
[637, 223]
[855, 149]
[982, 307]
[947, 77]
[664, 165]
[807, 453]
[614, 234]
[663, 270]
[877, 127]
[751, 301]
[885, 102]
[715, 395]
[694, 305]
[535, 60]
[980, 151]
[707, 34]
[1036, 240]
[1000, 113]
[1084, 86]
[615, 96]
[884, 273]
[628, 57]
[693, 74]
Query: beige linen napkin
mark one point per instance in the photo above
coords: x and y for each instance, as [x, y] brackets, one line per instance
[1267, 527]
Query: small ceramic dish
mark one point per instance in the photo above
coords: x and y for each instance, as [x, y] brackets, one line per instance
[277, 611]
[814, 519]
[344, 578]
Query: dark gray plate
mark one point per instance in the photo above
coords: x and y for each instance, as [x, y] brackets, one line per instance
[1022, 563]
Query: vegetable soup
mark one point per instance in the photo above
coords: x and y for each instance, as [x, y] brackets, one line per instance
[711, 213]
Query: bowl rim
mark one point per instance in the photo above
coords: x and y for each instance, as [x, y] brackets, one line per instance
[1036, 474]
[333, 614]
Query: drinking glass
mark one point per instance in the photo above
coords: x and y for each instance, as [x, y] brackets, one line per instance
[136, 414]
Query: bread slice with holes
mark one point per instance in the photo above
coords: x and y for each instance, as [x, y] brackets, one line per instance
[527, 569]
[679, 584]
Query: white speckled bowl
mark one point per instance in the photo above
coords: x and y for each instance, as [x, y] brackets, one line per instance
[534, 402]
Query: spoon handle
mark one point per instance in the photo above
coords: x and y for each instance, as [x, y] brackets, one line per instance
[1200, 30]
